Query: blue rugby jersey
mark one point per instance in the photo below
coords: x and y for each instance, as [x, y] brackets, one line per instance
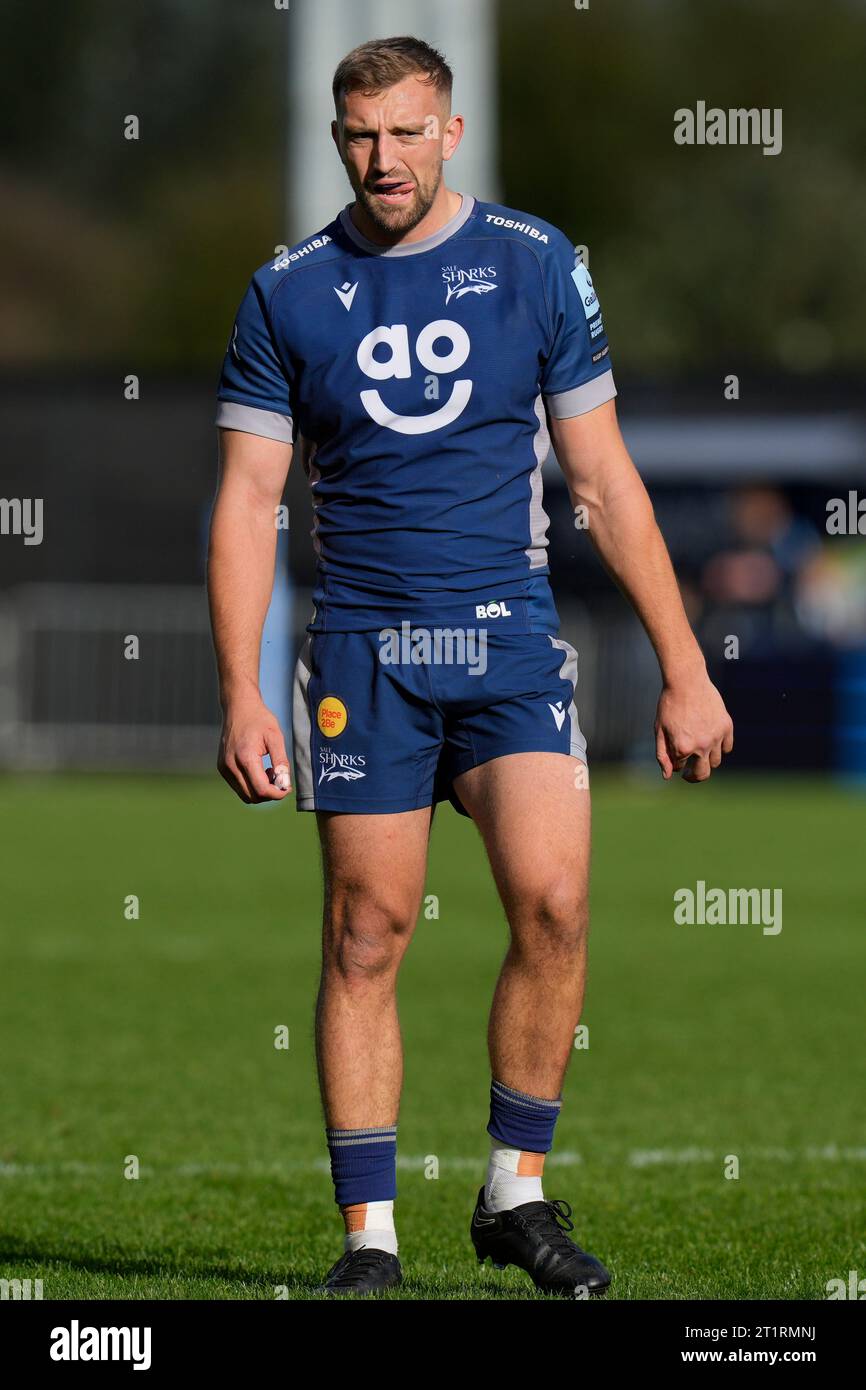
[415, 378]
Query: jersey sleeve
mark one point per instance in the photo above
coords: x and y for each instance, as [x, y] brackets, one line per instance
[576, 374]
[254, 389]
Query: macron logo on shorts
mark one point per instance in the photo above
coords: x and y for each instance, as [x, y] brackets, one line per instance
[558, 713]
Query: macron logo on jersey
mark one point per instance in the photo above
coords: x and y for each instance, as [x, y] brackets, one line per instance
[346, 293]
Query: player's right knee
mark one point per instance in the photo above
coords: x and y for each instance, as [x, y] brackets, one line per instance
[365, 937]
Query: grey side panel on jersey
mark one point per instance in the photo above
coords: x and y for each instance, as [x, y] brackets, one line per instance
[302, 728]
[568, 671]
[270, 424]
[582, 398]
[538, 518]
[308, 461]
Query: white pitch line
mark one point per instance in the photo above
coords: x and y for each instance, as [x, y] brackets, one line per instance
[637, 1158]
[828, 1153]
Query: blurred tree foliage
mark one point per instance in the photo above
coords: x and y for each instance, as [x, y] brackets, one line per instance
[114, 251]
[136, 252]
[714, 255]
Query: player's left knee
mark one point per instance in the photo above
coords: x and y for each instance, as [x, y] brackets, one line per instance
[559, 915]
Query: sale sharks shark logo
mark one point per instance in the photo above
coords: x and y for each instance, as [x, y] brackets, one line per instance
[341, 766]
[459, 281]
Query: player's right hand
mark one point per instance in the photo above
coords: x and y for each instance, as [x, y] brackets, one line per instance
[249, 732]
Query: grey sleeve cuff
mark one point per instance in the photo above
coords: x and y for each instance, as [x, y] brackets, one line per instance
[250, 420]
[582, 398]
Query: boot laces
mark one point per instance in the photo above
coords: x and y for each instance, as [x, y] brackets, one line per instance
[355, 1264]
[551, 1220]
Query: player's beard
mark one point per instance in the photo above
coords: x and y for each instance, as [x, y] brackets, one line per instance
[397, 221]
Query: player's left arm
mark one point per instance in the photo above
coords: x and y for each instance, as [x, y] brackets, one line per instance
[692, 721]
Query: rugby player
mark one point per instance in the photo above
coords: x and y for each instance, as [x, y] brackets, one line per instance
[420, 352]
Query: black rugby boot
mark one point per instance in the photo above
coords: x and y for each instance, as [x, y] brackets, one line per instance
[533, 1237]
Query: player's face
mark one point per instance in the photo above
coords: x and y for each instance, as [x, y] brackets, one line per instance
[392, 147]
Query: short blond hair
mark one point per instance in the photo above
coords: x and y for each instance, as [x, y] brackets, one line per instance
[381, 63]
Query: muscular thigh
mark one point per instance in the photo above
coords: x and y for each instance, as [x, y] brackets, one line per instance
[375, 863]
[533, 813]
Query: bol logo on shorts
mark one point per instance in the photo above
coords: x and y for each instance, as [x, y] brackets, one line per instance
[332, 716]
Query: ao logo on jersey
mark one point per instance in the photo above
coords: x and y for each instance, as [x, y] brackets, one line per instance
[399, 364]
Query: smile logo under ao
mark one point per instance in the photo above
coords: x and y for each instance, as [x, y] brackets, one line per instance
[399, 365]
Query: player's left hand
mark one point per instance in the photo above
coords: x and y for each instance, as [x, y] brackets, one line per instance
[693, 729]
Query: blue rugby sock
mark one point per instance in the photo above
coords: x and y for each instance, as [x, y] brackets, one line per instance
[364, 1171]
[520, 1121]
[521, 1133]
[363, 1164]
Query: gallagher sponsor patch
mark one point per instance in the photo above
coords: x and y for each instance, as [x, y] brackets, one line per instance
[583, 283]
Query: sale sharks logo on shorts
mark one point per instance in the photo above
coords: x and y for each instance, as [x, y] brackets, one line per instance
[398, 365]
[459, 281]
[334, 766]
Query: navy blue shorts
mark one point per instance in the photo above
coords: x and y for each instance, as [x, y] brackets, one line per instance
[383, 726]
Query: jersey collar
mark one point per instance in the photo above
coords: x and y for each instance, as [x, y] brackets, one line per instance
[413, 248]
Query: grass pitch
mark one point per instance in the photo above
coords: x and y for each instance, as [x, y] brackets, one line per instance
[153, 1039]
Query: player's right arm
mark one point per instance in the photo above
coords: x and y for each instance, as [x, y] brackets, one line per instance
[240, 577]
[256, 432]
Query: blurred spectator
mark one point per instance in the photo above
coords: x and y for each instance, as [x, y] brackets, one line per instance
[831, 596]
[750, 587]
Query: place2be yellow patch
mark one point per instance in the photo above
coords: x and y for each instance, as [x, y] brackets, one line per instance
[332, 716]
